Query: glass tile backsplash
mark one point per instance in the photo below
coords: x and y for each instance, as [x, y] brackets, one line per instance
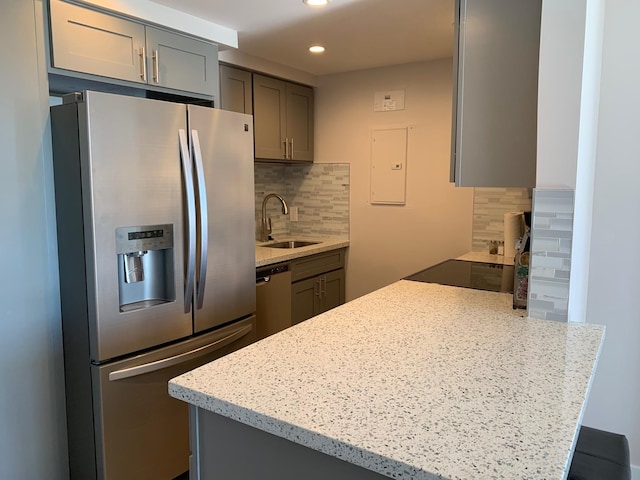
[550, 264]
[489, 207]
[320, 191]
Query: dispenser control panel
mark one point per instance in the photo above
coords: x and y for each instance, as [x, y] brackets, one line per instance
[143, 238]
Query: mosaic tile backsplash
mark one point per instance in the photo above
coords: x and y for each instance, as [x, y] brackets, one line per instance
[550, 263]
[489, 207]
[319, 190]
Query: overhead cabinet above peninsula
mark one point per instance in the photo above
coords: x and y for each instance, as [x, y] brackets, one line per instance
[495, 93]
[88, 43]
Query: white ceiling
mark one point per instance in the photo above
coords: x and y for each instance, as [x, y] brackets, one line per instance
[357, 34]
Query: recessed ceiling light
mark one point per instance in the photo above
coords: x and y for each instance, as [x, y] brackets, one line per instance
[316, 3]
[316, 49]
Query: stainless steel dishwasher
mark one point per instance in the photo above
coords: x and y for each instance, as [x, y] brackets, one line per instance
[273, 299]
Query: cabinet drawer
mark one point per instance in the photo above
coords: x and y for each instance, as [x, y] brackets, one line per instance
[316, 264]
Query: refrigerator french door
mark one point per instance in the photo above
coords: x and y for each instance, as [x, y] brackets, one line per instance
[155, 217]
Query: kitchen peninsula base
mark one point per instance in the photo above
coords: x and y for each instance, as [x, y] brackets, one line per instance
[224, 448]
[415, 381]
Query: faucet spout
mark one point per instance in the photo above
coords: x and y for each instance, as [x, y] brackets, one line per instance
[265, 231]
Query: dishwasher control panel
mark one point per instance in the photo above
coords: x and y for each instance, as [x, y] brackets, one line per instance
[271, 270]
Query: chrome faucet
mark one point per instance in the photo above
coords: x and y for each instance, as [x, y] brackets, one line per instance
[265, 231]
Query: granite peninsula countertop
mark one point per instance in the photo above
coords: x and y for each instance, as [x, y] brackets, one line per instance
[269, 256]
[415, 381]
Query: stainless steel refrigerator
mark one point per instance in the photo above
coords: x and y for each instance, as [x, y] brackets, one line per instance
[155, 218]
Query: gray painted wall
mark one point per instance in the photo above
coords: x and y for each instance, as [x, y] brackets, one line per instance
[33, 433]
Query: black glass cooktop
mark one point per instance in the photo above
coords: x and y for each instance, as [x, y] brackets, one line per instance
[493, 277]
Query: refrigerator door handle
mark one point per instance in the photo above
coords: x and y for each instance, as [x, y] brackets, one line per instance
[187, 171]
[181, 358]
[204, 218]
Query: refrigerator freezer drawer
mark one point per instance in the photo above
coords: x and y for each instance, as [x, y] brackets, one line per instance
[145, 432]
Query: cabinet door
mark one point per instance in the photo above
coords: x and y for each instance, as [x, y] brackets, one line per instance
[182, 63]
[332, 290]
[269, 116]
[88, 41]
[496, 93]
[305, 302]
[235, 90]
[300, 122]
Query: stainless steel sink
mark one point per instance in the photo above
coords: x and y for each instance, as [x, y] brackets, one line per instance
[290, 244]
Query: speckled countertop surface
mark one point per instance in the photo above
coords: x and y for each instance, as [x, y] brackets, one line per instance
[415, 381]
[269, 256]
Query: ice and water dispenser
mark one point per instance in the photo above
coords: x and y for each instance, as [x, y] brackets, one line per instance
[146, 274]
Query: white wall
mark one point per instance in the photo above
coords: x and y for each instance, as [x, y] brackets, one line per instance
[559, 91]
[589, 104]
[33, 433]
[389, 242]
[614, 275]
[586, 161]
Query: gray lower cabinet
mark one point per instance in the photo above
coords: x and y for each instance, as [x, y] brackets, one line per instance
[494, 131]
[318, 284]
[92, 42]
[283, 120]
[236, 93]
[222, 448]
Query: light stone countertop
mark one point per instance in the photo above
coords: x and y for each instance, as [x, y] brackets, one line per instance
[269, 256]
[415, 381]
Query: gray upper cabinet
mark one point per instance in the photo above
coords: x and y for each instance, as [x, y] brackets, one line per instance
[300, 122]
[283, 120]
[182, 63]
[235, 90]
[92, 42]
[495, 93]
[85, 40]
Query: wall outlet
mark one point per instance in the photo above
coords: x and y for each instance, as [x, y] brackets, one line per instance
[293, 214]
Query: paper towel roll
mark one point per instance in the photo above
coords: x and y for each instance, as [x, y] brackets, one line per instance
[513, 230]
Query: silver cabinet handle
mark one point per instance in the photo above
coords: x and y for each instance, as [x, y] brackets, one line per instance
[323, 280]
[286, 148]
[181, 358]
[156, 66]
[203, 210]
[458, 35]
[189, 188]
[291, 149]
[143, 64]
[316, 289]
